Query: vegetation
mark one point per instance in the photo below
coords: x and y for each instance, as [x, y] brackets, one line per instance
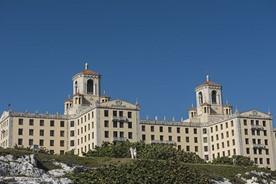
[234, 160]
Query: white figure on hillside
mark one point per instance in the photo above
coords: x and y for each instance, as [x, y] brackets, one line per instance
[133, 152]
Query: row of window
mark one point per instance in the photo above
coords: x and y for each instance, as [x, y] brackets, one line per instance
[256, 122]
[41, 132]
[115, 124]
[223, 145]
[116, 135]
[260, 161]
[161, 138]
[41, 142]
[169, 129]
[257, 151]
[256, 141]
[85, 128]
[85, 118]
[41, 122]
[222, 126]
[255, 132]
[116, 113]
[222, 135]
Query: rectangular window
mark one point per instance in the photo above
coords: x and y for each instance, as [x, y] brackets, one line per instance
[265, 133]
[178, 139]
[72, 143]
[204, 139]
[143, 128]
[105, 113]
[106, 123]
[233, 133]
[247, 150]
[226, 124]
[20, 131]
[204, 131]
[143, 137]
[31, 142]
[195, 140]
[62, 133]
[161, 129]
[195, 131]
[170, 138]
[233, 141]
[212, 138]
[20, 142]
[252, 122]
[227, 134]
[31, 122]
[129, 135]
[41, 132]
[169, 129]
[122, 134]
[246, 141]
[52, 133]
[52, 123]
[61, 123]
[253, 132]
[178, 130]
[31, 132]
[115, 134]
[222, 137]
[129, 124]
[121, 124]
[268, 161]
[115, 124]
[161, 138]
[196, 148]
[121, 113]
[211, 129]
[187, 139]
[41, 142]
[152, 137]
[152, 128]
[261, 160]
[114, 113]
[186, 130]
[20, 122]
[106, 134]
[232, 123]
[264, 123]
[245, 122]
[61, 143]
[72, 133]
[221, 126]
[52, 142]
[266, 142]
[246, 131]
[187, 148]
[129, 115]
[41, 122]
[257, 122]
[205, 148]
[72, 124]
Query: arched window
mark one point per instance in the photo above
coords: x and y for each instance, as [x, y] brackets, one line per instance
[200, 98]
[214, 97]
[76, 87]
[90, 84]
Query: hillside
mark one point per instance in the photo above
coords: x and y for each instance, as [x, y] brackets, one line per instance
[34, 167]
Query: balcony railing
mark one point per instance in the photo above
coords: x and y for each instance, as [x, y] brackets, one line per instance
[162, 142]
[120, 119]
[119, 139]
[257, 127]
[259, 146]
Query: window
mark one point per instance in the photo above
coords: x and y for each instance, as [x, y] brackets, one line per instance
[246, 141]
[121, 124]
[161, 138]
[256, 160]
[115, 124]
[129, 114]
[20, 131]
[161, 129]
[221, 136]
[121, 113]
[186, 130]
[204, 131]
[143, 137]
[72, 124]
[226, 124]
[178, 130]
[31, 122]
[178, 139]
[122, 134]
[62, 133]
[216, 128]
[52, 133]
[169, 129]
[254, 151]
[129, 124]
[266, 142]
[130, 135]
[62, 143]
[232, 123]
[227, 134]
[233, 141]
[195, 131]
[233, 133]
[253, 132]
[106, 123]
[72, 133]
[264, 123]
[247, 150]
[261, 160]
[115, 134]
[221, 126]
[152, 128]
[257, 122]
[212, 138]
[90, 86]
[211, 129]
[222, 144]
[195, 139]
[170, 138]
[260, 151]
[61, 123]
[268, 161]
[143, 128]
[41, 122]
[52, 142]
[267, 151]
[187, 139]
[254, 141]
[187, 148]
[213, 147]
[152, 137]
[20, 141]
[204, 139]
[106, 134]
[246, 131]
[31, 132]
[205, 148]
[52, 123]
[20, 122]
[41, 132]
[265, 133]
[214, 97]
[196, 148]
[114, 113]
[41, 142]
[31, 142]
[105, 113]
[252, 122]
[245, 122]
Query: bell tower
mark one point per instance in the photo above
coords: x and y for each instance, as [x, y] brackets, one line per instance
[209, 98]
[87, 84]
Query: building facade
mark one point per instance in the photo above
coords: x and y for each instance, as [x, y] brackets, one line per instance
[212, 129]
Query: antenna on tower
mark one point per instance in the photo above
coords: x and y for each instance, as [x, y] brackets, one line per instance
[86, 66]
[207, 77]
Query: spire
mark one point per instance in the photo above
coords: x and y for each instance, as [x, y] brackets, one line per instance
[86, 66]
[207, 78]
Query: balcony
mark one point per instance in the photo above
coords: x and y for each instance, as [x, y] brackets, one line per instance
[259, 146]
[119, 139]
[257, 127]
[119, 119]
[162, 142]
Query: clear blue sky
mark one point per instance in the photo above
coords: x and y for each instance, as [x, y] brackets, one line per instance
[156, 51]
